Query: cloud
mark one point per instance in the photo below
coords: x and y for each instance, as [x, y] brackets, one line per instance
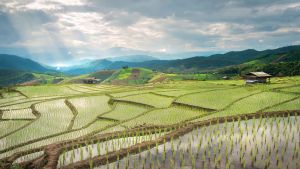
[59, 31]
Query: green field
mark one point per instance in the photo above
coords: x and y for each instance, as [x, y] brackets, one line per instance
[79, 114]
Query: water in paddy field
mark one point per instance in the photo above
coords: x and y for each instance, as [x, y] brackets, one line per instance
[101, 148]
[261, 143]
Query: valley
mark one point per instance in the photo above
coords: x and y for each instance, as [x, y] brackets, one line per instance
[167, 124]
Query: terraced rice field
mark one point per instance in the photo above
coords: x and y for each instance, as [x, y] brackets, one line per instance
[172, 125]
[88, 109]
[124, 111]
[148, 99]
[18, 114]
[262, 143]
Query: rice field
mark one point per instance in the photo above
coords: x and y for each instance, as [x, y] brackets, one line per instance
[49, 90]
[172, 115]
[259, 143]
[88, 151]
[207, 99]
[152, 126]
[254, 103]
[148, 99]
[18, 114]
[88, 109]
[9, 126]
[124, 111]
[292, 89]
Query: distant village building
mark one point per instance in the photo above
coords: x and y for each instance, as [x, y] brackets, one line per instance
[225, 78]
[257, 77]
[91, 80]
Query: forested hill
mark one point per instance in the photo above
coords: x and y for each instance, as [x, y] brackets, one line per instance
[198, 63]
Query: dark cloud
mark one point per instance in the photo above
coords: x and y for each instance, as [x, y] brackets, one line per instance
[53, 30]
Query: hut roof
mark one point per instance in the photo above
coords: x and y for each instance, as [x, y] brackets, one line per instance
[259, 74]
[90, 78]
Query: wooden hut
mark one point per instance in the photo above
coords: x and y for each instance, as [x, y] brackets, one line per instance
[225, 78]
[257, 77]
[91, 80]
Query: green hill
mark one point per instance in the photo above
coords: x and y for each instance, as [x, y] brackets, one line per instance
[101, 75]
[18, 77]
[197, 64]
[130, 76]
[13, 62]
[10, 77]
[278, 64]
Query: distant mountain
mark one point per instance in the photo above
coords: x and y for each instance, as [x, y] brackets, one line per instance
[133, 58]
[193, 64]
[18, 70]
[282, 62]
[13, 62]
[88, 67]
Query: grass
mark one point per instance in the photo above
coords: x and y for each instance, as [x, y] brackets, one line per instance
[124, 74]
[128, 76]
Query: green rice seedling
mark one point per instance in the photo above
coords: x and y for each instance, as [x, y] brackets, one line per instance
[72, 156]
[134, 164]
[172, 163]
[127, 161]
[143, 163]
[81, 153]
[91, 163]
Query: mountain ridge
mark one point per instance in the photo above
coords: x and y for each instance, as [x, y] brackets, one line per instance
[189, 65]
[13, 62]
[283, 61]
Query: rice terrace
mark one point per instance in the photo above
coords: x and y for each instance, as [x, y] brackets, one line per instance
[194, 124]
[149, 84]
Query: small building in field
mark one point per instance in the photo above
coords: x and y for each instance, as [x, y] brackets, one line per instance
[225, 78]
[91, 80]
[257, 77]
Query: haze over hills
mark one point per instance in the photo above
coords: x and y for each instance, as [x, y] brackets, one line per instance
[13, 62]
[16, 69]
[91, 65]
[193, 64]
[133, 58]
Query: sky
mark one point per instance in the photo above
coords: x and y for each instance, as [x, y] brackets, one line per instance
[62, 32]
